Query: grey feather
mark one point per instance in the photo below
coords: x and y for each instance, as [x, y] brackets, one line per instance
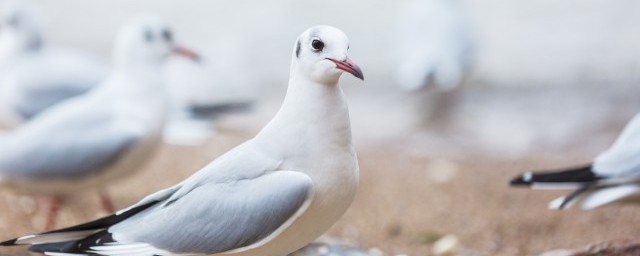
[35, 102]
[218, 217]
[65, 144]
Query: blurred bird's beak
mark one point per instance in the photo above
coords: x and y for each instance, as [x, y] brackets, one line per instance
[179, 50]
[348, 66]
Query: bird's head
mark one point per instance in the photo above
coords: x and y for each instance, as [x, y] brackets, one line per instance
[321, 54]
[20, 27]
[147, 40]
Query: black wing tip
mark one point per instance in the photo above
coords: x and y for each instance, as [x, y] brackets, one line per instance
[11, 242]
[520, 181]
[80, 247]
[583, 174]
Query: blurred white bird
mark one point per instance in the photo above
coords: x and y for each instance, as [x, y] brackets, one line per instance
[613, 176]
[433, 44]
[193, 124]
[269, 196]
[33, 75]
[200, 96]
[90, 140]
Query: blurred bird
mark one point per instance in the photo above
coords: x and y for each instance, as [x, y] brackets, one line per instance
[434, 45]
[105, 134]
[200, 96]
[33, 75]
[269, 196]
[191, 124]
[613, 176]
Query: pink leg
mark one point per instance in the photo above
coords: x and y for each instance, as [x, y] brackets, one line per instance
[54, 204]
[107, 204]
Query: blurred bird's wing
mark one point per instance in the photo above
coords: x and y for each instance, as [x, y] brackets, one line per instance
[66, 144]
[50, 77]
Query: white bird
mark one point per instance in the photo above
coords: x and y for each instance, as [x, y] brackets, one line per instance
[103, 135]
[33, 75]
[434, 45]
[269, 196]
[193, 124]
[612, 177]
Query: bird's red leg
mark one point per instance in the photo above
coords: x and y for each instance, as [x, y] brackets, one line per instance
[107, 204]
[53, 208]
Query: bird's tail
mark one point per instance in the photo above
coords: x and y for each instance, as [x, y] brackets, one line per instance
[575, 178]
[74, 239]
[73, 247]
[591, 198]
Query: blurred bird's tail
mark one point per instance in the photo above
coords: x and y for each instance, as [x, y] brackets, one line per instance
[214, 110]
[567, 179]
[580, 179]
[590, 198]
[590, 190]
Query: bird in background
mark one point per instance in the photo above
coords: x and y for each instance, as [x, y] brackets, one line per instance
[269, 196]
[434, 45]
[87, 142]
[198, 101]
[613, 176]
[34, 75]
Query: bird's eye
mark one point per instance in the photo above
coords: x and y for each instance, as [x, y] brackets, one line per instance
[167, 35]
[317, 45]
[148, 36]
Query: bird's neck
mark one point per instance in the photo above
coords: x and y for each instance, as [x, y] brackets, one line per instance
[313, 116]
[141, 94]
[136, 82]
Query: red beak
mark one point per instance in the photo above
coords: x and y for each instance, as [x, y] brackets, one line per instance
[348, 66]
[179, 50]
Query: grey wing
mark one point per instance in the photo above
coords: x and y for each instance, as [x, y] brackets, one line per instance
[64, 152]
[218, 217]
[36, 101]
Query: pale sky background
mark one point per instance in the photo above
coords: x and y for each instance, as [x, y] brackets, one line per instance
[527, 42]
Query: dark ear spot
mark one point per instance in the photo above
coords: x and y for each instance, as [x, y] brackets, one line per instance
[148, 35]
[298, 49]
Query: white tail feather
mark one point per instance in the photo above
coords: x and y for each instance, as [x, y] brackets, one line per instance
[606, 196]
[556, 203]
[142, 249]
[63, 254]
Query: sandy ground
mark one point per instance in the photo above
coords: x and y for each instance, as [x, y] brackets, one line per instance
[415, 186]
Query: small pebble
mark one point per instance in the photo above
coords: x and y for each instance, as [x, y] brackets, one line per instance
[447, 245]
[442, 170]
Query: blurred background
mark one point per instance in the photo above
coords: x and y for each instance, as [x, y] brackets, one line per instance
[545, 84]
